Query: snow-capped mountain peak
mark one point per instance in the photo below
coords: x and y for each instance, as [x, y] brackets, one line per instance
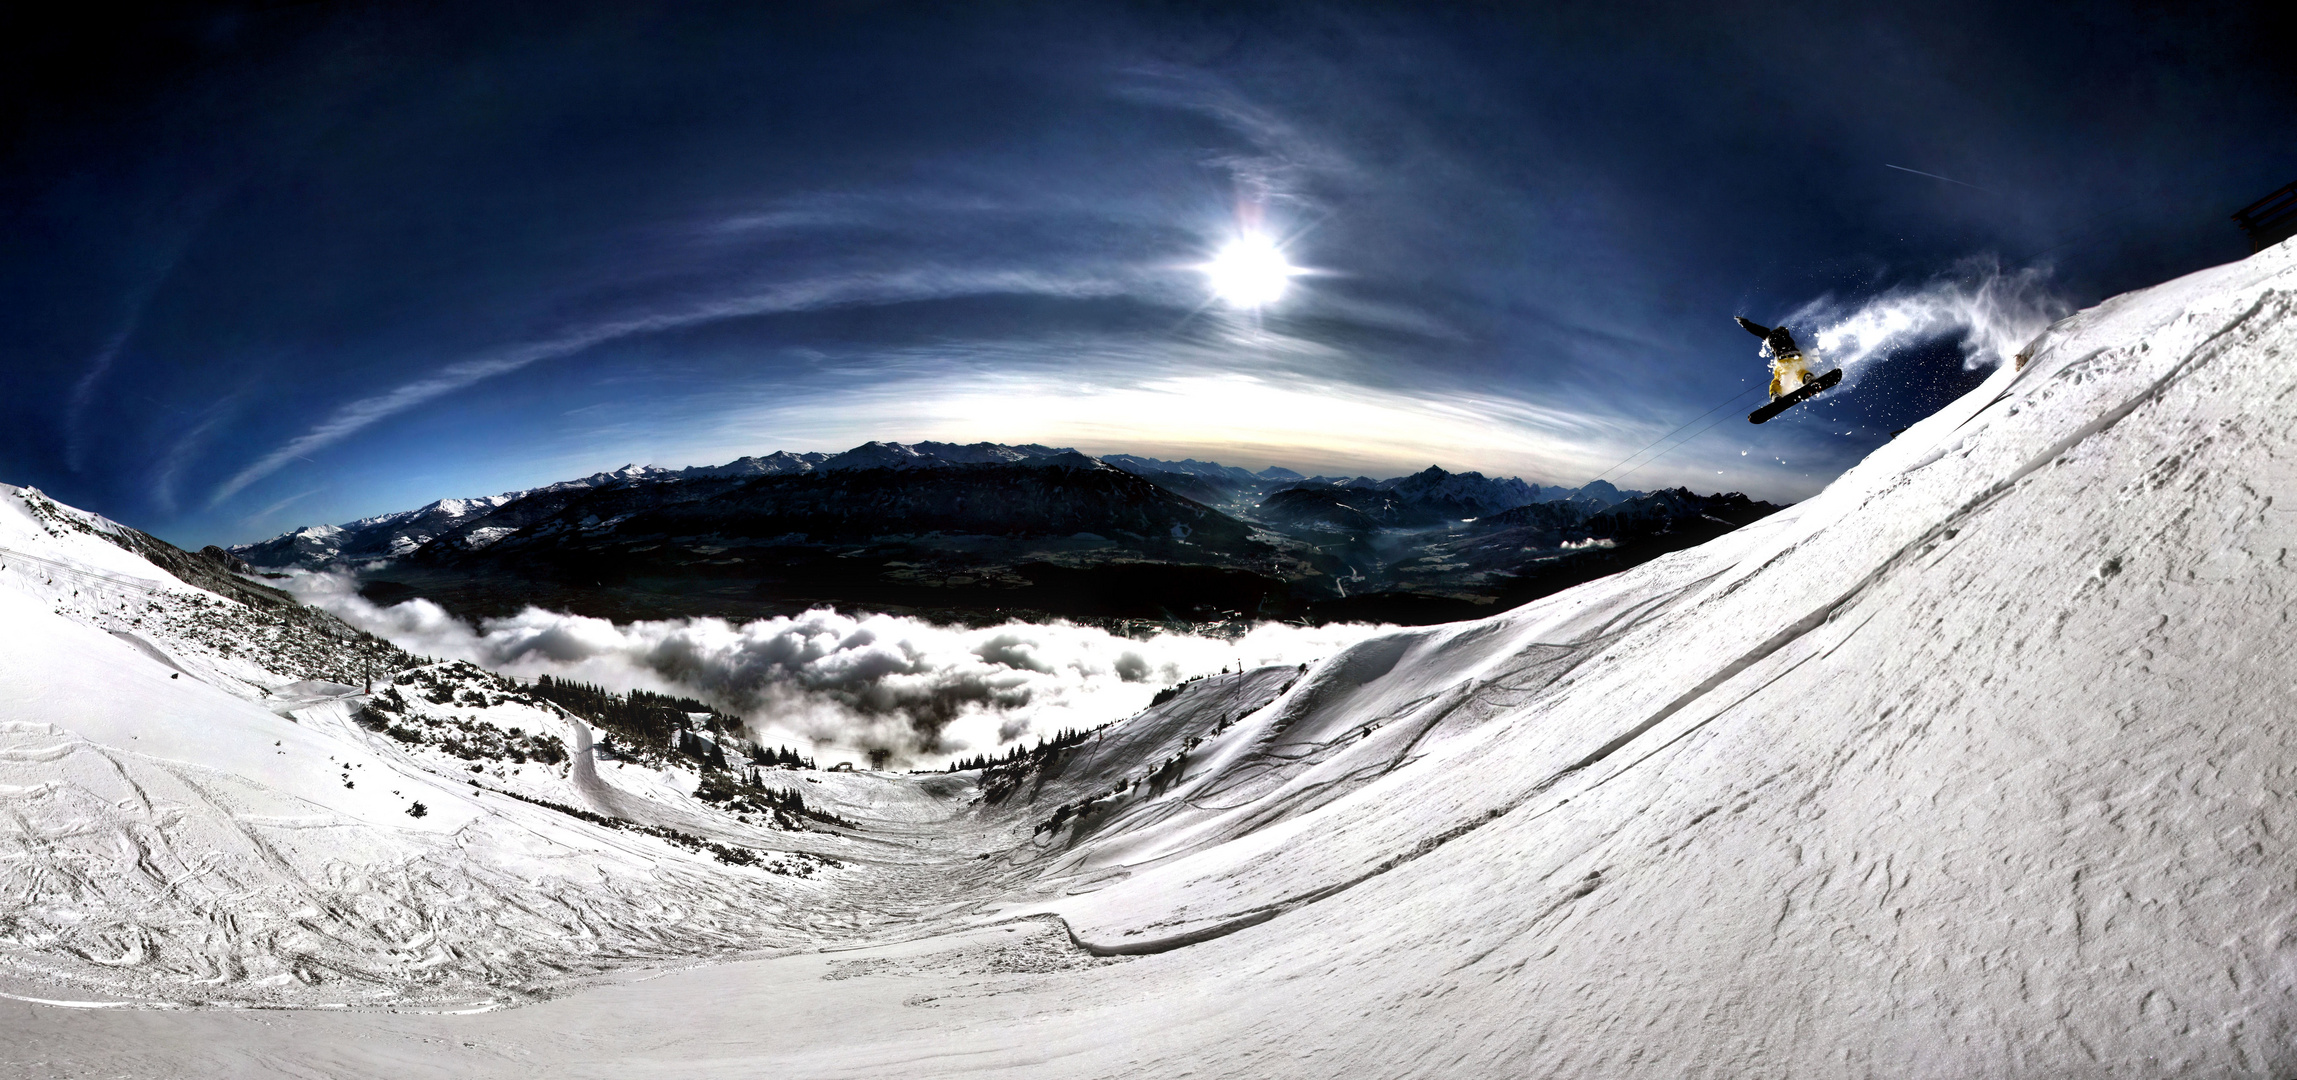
[1472, 493]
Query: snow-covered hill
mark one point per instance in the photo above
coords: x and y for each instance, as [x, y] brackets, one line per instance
[1977, 764]
[1973, 765]
[195, 810]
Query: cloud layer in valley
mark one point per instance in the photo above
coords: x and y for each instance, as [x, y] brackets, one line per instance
[847, 683]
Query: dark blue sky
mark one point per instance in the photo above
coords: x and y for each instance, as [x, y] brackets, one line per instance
[271, 266]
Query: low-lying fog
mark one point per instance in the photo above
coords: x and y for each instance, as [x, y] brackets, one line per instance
[834, 682]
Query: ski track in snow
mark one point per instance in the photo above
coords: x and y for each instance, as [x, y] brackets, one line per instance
[1977, 764]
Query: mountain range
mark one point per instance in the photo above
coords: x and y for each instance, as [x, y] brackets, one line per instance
[986, 531]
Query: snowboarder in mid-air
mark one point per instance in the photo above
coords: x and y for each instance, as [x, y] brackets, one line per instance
[1791, 381]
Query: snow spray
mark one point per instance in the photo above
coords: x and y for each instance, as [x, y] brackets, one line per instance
[1991, 311]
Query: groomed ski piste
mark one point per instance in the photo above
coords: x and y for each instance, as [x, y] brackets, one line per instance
[1980, 763]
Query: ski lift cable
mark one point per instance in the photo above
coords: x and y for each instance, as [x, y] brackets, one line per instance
[1663, 438]
[1678, 446]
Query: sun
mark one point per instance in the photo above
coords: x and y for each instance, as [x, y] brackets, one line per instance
[1250, 272]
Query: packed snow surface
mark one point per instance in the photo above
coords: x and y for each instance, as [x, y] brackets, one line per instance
[181, 821]
[1977, 764]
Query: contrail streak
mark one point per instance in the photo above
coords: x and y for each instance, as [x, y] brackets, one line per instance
[1933, 176]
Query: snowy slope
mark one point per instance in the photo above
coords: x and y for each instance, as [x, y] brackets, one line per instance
[1977, 764]
[185, 820]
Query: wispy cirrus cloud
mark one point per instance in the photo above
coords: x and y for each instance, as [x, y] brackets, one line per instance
[1273, 163]
[267, 512]
[1284, 157]
[180, 453]
[924, 283]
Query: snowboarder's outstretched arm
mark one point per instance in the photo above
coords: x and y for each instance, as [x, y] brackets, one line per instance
[1781, 342]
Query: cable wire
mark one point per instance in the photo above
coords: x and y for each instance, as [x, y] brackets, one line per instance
[1678, 446]
[1663, 438]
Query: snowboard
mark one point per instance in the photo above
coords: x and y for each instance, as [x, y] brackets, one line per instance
[1802, 393]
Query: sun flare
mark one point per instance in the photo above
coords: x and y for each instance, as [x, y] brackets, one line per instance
[1249, 272]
